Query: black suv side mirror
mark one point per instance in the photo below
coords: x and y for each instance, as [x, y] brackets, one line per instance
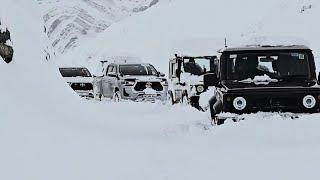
[210, 79]
[161, 74]
[319, 78]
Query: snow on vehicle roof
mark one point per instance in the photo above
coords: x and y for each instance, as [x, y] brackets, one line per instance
[67, 67]
[203, 56]
[125, 60]
[266, 47]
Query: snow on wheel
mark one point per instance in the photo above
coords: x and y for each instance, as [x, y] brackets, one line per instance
[218, 121]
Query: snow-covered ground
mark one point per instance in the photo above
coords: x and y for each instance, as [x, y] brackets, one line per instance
[48, 132]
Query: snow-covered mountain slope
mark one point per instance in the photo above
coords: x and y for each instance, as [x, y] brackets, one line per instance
[70, 22]
[153, 34]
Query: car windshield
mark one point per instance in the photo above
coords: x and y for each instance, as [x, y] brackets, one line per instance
[198, 66]
[274, 65]
[137, 69]
[75, 72]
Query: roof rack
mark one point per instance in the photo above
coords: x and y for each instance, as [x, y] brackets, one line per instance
[265, 47]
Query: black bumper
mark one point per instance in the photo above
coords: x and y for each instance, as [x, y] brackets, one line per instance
[271, 100]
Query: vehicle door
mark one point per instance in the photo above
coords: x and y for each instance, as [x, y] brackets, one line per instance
[114, 78]
[107, 81]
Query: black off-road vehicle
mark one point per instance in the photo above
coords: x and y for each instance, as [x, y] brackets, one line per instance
[264, 78]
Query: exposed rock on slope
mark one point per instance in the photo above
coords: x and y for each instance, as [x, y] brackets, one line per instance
[70, 21]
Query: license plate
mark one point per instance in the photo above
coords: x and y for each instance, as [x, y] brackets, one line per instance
[150, 96]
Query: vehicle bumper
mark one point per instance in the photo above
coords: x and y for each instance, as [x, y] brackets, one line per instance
[87, 94]
[128, 93]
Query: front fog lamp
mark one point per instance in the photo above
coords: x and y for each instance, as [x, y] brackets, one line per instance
[239, 103]
[129, 83]
[200, 89]
[309, 102]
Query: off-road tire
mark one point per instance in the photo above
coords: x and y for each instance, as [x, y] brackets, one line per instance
[218, 121]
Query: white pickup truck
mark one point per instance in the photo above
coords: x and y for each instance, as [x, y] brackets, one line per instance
[79, 79]
[131, 81]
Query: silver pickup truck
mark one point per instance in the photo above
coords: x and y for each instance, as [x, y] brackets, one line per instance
[131, 81]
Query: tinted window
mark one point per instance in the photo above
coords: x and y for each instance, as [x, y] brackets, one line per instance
[75, 72]
[198, 66]
[137, 69]
[109, 69]
[280, 65]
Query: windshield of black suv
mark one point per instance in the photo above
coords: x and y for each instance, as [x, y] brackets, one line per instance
[75, 72]
[198, 65]
[282, 66]
[137, 70]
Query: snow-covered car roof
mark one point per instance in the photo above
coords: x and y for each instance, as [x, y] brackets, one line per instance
[186, 56]
[266, 48]
[125, 60]
[69, 67]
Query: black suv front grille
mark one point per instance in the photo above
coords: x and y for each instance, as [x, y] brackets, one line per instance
[276, 103]
[81, 86]
[140, 86]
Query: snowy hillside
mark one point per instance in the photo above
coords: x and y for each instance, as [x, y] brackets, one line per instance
[153, 34]
[47, 132]
[71, 22]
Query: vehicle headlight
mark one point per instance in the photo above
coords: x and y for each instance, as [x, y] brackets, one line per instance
[129, 83]
[239, 103]
[200, 89]
[309, 102]
[164, 82]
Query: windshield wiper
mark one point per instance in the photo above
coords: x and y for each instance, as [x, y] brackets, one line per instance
[294, 77]
[259, 80]
[249, 81]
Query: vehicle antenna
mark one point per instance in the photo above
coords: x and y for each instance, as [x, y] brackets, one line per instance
[225, 43]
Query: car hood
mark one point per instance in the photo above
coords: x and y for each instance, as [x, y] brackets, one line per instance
[145, 78]
[78, 79]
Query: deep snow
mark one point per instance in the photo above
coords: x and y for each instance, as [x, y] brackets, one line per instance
[48, 132]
